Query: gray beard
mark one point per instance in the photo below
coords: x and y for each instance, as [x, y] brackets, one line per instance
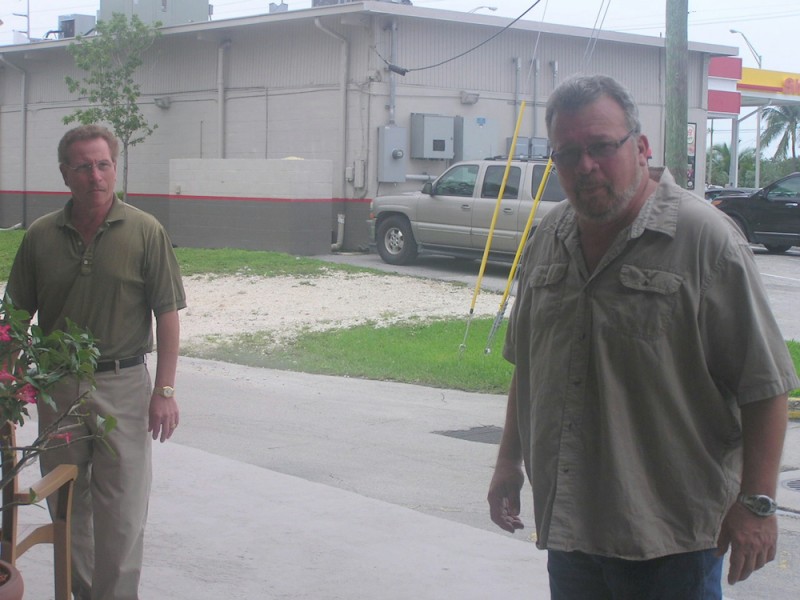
[621, 201]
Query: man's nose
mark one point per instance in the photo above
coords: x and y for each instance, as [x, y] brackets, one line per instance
[585, 163]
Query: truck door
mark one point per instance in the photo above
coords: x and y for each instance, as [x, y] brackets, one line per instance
[505, 234]
[444, 218]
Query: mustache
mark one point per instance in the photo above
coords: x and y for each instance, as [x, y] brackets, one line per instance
[588, 183]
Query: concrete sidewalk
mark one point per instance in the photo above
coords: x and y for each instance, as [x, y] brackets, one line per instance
[223, 527]
[220, 528]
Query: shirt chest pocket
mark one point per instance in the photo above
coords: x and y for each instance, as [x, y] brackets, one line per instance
[546, 291]
[646, 303]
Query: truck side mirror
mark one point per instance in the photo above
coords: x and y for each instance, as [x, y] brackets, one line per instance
[427, 188]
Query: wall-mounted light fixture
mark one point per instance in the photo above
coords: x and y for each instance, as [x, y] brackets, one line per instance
[163, 101]
[469, 97]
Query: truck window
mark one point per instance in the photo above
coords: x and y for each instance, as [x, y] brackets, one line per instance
[553, 192]
[493, 179]
[458, 181]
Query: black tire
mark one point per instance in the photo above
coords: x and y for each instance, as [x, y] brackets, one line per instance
[776, 248]
[395, 241]
[742, 228]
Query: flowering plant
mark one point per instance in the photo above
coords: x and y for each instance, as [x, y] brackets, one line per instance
[31, 363]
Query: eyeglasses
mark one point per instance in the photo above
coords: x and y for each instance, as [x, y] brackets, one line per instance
[570, 157]
[87, 168]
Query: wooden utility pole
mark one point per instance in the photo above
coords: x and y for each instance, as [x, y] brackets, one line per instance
[677, 99]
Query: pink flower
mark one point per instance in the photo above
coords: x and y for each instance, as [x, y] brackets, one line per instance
[66, 436]
[6, 377]
[27, 393]
[5, 336]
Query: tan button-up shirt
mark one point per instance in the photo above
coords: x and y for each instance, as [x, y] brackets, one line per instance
[629, 378]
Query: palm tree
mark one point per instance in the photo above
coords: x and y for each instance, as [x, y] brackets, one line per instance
[719, 164]
[782, 122]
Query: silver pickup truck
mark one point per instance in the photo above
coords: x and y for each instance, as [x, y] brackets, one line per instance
[452, 214]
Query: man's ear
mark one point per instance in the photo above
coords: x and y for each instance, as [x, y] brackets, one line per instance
[63, 170]
[643, 146]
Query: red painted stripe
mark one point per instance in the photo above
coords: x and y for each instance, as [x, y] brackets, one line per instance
[758, 88]
[208, 198]
[272, 200]
[726, 67]
[724, 102]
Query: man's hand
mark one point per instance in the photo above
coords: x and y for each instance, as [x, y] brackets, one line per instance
[164, 417]
[752, 540]
[504, 503]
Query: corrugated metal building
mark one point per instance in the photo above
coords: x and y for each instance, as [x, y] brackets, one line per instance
[315, 84]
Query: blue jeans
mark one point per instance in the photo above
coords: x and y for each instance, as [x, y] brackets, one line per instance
[689, 576]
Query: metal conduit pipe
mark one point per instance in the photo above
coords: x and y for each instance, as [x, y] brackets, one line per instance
[221, 96]
[343, 75]
[23, 111]
[392, 74]
[517, 67]
[344, 60]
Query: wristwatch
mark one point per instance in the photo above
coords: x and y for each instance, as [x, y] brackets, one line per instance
[759, 504]
[166, 391]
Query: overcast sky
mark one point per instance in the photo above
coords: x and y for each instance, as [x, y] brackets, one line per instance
[771, 26]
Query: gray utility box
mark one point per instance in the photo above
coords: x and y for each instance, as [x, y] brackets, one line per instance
[476, 138]
[392, 151]
[71, 25]
[432, 136]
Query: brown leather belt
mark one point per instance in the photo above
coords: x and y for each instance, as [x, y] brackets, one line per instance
[113, 365]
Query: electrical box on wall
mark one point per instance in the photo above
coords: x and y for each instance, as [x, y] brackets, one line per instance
[476, 138]
[540, 146]
[392, 154]
[432, 136]
[521, 149]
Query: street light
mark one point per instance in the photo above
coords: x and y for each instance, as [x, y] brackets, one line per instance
[757, 56]
[491, 8]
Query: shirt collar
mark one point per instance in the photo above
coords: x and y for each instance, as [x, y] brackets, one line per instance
[116, 213]
[658, 213]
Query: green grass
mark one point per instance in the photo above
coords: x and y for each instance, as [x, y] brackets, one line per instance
[9, 242]
[425, 353]
[420, 352]
[230, 261]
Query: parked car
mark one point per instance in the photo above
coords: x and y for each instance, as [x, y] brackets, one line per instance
[769, 216]
[452, 214]
[713, 192]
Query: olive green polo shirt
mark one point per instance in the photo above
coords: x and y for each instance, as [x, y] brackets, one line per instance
[113, 286]
[630, 378]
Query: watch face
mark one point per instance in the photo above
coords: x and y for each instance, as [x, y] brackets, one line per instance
[761, 505]
[167, 391]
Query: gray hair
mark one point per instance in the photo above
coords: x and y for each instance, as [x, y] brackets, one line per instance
[578, 92]
[87, 132]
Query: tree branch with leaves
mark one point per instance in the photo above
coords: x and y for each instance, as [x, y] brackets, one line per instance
[111, 58]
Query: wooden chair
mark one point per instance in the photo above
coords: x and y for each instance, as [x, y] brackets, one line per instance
[15, 539]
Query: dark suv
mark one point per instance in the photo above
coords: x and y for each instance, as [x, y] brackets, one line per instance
[770, 216]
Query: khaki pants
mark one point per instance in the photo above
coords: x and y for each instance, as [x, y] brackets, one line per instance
[111, 496]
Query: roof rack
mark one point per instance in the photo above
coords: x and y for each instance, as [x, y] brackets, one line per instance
[518, 157]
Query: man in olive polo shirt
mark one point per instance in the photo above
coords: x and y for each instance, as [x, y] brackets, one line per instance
[108, 267]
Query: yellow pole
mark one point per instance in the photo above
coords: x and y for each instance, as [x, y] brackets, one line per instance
[502, 309]
[492, 225]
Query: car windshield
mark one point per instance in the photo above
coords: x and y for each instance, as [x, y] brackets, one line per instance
[458, 181]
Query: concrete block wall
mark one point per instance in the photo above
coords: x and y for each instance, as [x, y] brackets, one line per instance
[256, 204]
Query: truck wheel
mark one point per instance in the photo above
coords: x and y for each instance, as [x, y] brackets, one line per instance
[776, 248]
[395, 242]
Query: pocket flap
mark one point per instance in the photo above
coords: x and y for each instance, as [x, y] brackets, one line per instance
[650, 280]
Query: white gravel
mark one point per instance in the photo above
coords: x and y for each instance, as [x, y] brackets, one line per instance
[285, 306]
